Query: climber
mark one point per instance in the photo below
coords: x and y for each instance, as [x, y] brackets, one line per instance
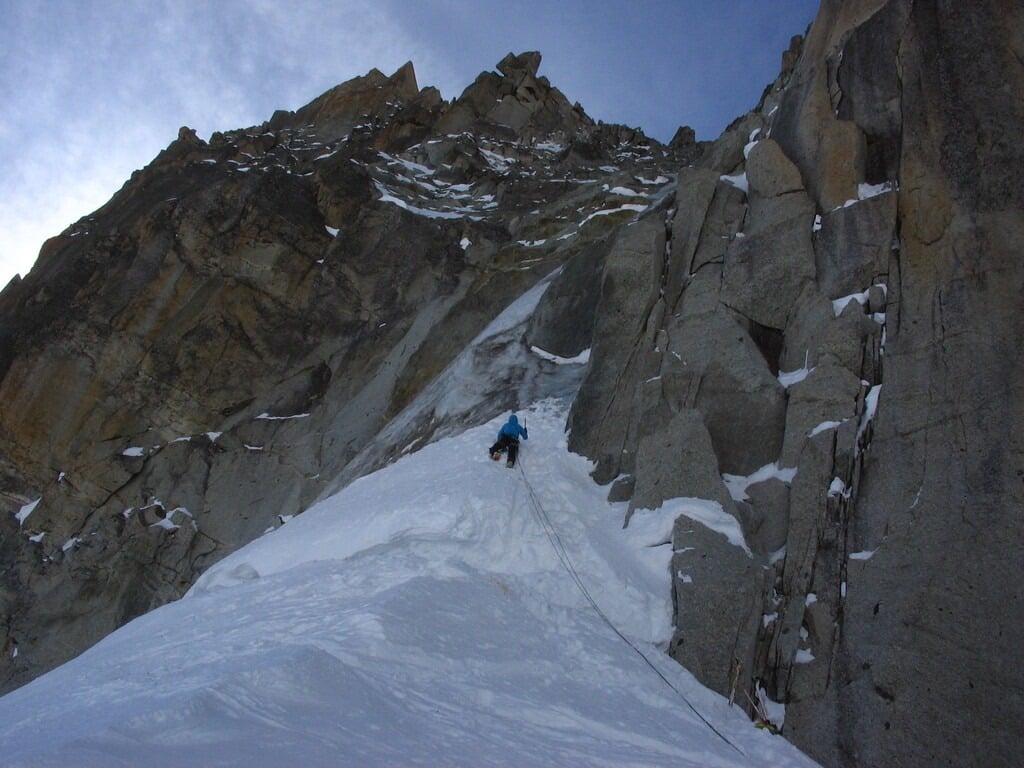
[508, 438]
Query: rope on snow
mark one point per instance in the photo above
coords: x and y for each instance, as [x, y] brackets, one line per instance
[563, 555]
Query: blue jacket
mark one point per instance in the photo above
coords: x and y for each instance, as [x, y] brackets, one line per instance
[512, 429]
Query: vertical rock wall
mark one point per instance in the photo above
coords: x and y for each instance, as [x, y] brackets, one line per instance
[934, 620]
[828, 348]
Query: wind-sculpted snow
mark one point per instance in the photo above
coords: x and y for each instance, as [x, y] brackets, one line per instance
[418, 617]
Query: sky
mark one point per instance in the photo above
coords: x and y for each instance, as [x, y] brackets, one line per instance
[94, 90]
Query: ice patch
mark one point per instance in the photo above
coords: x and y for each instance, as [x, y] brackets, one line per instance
[624, 192]
[870, 409]
[788, 378]
[550, 146]
[609, 211]
[739, 181]
[167, 522]
[803, 656]
[709, 514]
[837, 489]
[22, 514]
[825, 426]
[416, 169]
[838, 305]
[579, 359]
[499, 163]
[387, 197]
[866, 191]
[774, 712]
[737, 484]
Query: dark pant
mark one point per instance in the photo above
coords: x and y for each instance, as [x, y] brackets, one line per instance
[507, 443]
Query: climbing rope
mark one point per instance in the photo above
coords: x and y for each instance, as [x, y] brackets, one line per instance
[563, 555]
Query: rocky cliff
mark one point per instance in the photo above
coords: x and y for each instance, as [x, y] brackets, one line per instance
[811, 322]
[828, 347]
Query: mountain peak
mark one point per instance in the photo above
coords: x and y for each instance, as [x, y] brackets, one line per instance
[337, 111]
[404, 80]
[516, 101]
[525, 63]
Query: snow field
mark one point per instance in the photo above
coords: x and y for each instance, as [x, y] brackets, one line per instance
[419, 617]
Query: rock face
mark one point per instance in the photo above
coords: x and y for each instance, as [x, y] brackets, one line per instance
[828, 348]
[204, 356]
[812, 323]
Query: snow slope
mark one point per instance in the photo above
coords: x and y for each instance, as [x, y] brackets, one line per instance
[419, 617]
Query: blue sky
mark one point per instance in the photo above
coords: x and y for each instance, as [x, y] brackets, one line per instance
[93, 90]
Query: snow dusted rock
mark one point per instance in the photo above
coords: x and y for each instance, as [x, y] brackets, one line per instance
[852, 247]
[716, 596]
[868, 94]
[808, 586]
[827, 397]
[520, 68]
[674, 458]
[724, 220]
[942, 490]
[815, 334]
[683, 138]
[726, 154]
[869, 295]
